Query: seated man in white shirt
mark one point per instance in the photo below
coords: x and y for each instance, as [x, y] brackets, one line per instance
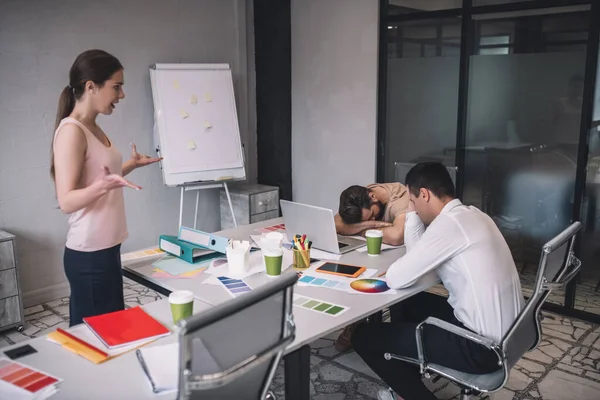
[467, 251]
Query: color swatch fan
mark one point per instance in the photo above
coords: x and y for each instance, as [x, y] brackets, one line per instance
[369, 286]
[18, 381]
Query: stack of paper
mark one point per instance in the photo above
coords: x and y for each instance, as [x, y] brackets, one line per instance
[161, 366]
[173, 267]
[20, 382]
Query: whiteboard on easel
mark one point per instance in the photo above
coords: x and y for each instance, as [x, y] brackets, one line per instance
[196, 128]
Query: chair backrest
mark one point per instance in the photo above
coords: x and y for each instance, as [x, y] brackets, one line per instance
[401, 169]
[232, 351]
[554, 271]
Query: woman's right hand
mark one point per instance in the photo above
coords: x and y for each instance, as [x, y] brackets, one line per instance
[108, 181]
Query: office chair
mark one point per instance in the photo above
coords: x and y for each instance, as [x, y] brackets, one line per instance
[401, 169]
[554, 272]
[232, 351]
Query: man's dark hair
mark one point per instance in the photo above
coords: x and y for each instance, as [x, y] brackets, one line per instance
[432, 176]
[352, 202]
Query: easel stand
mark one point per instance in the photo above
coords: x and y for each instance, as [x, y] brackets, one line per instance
[197, 188]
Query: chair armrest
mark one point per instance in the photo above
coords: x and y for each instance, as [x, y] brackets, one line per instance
[565, 279]
[486, 342]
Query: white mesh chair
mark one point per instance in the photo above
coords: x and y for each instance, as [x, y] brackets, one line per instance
[401, 169]
[232, 351]
[557, 266]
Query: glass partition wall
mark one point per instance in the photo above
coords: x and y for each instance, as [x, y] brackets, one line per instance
[496, 89]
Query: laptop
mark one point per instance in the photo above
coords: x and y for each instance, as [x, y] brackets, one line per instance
[319, 227]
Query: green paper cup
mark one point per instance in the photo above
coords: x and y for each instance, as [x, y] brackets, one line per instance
[273, 261]
[182, 304]
[374, 240]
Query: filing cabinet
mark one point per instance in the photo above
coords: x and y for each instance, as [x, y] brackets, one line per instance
[11, 303]
[251, 203]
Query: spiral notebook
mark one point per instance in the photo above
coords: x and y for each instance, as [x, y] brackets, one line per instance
[125, 327]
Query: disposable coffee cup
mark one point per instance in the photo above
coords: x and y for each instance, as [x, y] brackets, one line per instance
[182, 304]
[374, 240]
[273, 261]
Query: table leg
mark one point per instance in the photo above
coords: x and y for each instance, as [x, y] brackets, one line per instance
[297, 374]
[145, 282]
[377, 317]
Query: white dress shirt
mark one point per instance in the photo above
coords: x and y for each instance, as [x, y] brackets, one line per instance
[467, 251]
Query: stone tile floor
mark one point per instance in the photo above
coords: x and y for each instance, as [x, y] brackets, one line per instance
[566, 365]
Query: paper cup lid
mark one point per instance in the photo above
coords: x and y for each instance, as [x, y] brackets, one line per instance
[181, 297]
[374, 233]
[274, 236]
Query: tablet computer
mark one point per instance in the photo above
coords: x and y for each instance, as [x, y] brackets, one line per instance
[349, 271]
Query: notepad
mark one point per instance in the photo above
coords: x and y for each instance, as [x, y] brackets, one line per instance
[125, 327]
[161, 366]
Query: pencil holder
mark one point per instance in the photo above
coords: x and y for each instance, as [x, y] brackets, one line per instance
[301, 258]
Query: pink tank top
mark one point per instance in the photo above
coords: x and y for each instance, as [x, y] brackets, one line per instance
[102, 224]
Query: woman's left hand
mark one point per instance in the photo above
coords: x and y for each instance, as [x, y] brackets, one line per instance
[141, 160]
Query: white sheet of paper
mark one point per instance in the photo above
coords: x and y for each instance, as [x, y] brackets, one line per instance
[257, 265]
[162, 363]
[384, 247]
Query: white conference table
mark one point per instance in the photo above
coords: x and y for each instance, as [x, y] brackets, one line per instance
[310, 325]
[119, 379]
[123, 378]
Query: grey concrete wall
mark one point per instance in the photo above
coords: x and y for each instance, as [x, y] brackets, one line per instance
[334, 97]
[39, 40]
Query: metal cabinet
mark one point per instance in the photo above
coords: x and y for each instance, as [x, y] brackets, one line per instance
[11, 303]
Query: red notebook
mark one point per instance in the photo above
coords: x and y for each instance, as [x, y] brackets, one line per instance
[125, 327]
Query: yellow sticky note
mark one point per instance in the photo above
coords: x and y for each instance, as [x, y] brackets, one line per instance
[191, 145]
[194, 99]
[183, 114]
[207, 125]
[176, 84]
[207, 97]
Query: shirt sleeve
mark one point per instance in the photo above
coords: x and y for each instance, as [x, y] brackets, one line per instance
[439, 242]
[413, 230]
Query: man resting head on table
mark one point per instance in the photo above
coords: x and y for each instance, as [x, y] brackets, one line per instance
[469, 254]
[378, 206]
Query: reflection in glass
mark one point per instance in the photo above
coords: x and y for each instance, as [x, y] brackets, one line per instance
[587, 295]
[523, 125]
[397, 7]
[422, 92]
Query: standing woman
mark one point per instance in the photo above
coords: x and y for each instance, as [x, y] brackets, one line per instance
[88, 173]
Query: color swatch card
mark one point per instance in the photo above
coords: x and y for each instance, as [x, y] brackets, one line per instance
[319, 306]
[176, 266]
[18, 381]
[325, 282]
[141, 254]
[235, 287]
[274, 228]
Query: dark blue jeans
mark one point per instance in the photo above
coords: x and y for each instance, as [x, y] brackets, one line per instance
[96, 282]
